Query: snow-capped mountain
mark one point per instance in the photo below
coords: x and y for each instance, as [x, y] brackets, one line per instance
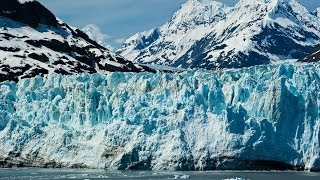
[34, 42]
[208, 34]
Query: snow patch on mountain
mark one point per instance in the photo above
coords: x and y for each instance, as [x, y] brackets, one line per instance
[24, 1]
[263, 117]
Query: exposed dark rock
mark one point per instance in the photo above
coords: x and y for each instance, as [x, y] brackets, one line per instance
[62, 71]
[52, 44]
[42, 57]
[19, 56]
[36, 71]
[314, 55]
[31, 13]
[13, 74]
[86, 37]
[10, 49]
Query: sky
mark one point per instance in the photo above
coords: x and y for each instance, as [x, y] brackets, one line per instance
[119, 19]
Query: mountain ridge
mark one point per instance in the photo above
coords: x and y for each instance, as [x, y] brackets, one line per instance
[250, 33]
[35, 42]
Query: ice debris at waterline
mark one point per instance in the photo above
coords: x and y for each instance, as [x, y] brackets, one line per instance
[264, 117]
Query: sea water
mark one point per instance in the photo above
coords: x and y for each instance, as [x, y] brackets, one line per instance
[86, 174]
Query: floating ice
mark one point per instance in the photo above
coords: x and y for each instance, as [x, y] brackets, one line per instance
[234, 179]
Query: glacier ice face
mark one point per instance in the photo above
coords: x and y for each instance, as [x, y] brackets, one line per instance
[251, 118]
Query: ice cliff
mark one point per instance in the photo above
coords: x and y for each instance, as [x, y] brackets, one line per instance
[264, 117]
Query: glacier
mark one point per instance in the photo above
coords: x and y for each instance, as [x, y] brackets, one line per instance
[261, 117]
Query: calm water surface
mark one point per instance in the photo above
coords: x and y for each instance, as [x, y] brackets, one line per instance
[39, 174]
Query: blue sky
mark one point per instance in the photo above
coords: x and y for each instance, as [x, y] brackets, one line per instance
[120, 19]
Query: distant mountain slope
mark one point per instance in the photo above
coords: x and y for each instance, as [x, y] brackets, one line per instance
[34, 42]
[208, 34]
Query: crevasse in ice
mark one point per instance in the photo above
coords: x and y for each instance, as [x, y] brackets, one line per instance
[196, 120]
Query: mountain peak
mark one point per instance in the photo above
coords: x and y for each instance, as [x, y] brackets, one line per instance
[195, 12]
[269, 6]
[270, 2]
[28, 12]
[209, 34]
[34, 42]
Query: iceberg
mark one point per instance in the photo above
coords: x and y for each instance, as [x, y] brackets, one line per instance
[263, 117]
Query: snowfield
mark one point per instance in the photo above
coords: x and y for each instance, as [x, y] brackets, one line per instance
[264, 117]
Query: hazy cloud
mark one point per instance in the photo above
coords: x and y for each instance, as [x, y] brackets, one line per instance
[120, 40]
[94, 32]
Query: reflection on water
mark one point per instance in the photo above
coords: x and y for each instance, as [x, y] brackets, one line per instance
[35, 174]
